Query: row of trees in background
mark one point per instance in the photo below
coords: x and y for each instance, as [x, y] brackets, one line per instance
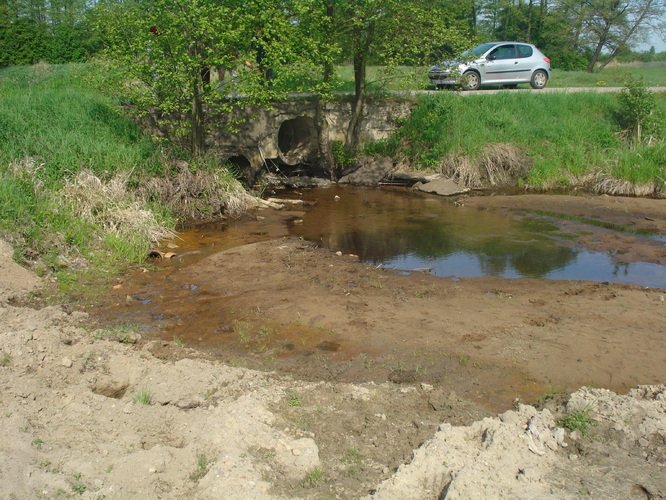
[575, 34]
[55, 31]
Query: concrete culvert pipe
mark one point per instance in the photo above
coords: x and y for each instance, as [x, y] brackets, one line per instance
[297, 140]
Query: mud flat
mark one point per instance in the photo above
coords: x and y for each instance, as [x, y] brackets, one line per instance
[331, 411]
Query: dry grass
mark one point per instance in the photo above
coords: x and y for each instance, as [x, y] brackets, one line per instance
[497, 165]
[618, 187]
[202, 194]
[113, 207]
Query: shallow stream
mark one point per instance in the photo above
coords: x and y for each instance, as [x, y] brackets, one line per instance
[406, 231]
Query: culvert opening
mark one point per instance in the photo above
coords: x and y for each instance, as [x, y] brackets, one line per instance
[297, 140]
[239, 163]
[242, 168]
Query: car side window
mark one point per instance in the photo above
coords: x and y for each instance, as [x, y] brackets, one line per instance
[525, 51]
[503, 52]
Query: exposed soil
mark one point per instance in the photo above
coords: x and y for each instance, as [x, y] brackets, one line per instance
[373, 365]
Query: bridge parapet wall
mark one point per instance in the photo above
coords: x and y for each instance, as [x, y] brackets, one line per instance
[289, 132]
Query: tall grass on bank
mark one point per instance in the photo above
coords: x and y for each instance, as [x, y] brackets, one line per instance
[76, 174]
[566, 136]
[52, 127]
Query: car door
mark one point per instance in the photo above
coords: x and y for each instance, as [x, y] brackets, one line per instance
[502, 64]
[525, 62]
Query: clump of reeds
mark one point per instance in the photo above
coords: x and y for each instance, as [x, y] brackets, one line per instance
[497, 165]
[198, 193]
[111, 206]
[605, 184]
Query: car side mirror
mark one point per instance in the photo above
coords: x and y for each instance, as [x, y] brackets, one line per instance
[491, 57]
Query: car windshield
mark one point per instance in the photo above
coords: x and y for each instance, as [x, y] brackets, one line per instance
[478, 50]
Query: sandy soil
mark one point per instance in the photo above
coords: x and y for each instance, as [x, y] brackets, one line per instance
[105, 413]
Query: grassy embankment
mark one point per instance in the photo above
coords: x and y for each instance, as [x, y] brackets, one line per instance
[561, 139]
[81, 187]
[415, 77]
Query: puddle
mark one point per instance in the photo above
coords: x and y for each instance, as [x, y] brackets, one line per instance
[410, 232]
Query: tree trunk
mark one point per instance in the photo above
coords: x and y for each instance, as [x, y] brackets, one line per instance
[198, 138]
[354, 128]
[324, 142]
[603, 38]
[623, 43]
[328, 65]
[529, 21]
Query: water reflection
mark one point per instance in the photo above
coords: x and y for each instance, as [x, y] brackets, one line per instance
[407, 231]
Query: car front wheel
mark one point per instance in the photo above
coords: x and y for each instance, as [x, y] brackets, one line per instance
[471, 81]
[539, 79]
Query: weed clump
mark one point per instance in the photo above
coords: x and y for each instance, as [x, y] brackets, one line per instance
[202, 465]
[577, 420]
[498, 165]
[313, 478]
[198, 191]
[142, 397]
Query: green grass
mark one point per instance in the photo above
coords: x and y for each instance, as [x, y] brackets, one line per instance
[578, 420]
[653, 74]
[565, 135]
[313, 478]
[53, 124]
[202, 464]
[5, 359]
[51, 113]
[142, 397]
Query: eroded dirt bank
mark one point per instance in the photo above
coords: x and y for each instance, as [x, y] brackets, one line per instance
[75, 420]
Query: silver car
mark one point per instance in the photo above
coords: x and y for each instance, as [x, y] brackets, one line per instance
[494, 63]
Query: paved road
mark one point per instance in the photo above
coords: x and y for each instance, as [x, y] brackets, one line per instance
[547, 90]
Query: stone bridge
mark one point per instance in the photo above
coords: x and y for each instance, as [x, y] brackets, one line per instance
[287, 136]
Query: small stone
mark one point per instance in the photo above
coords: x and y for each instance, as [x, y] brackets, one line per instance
[426, 387]
[338, 253]
[385, 470]
[66, 362]
[296, 452]
[127, 409]
[152, 470]
[573, 456]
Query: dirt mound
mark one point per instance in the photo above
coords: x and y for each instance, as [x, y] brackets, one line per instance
[524, 454]
[84, 415]
[15, 281]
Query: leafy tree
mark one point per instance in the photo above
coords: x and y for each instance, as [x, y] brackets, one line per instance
[637, 109]
[391, 32]
[611, 25]
[166, 48]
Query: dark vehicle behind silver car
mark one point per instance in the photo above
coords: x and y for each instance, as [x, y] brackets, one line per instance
[494, 63]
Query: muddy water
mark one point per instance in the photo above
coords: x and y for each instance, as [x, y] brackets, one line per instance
[399, 230]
